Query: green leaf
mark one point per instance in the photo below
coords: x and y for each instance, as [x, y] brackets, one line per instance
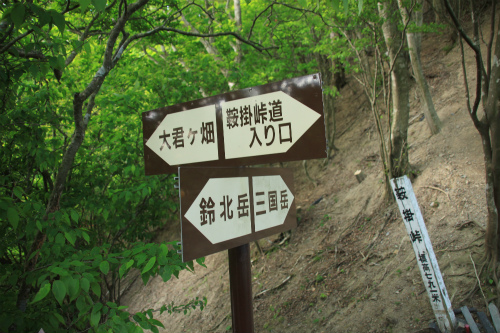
[156, 323]
[73, 286]
[58, 20]
[112, 305]
[95, 317]
[97, 307]
[86, 236]
[81, 305]
[59, 271]
[201, 261]
[74, 215]
[104, 267]
[85, 284]
[335, 4]
[18, 192]
[360, 6]
[96, 288]
[59, 290]
[70, 237]
[84, 4]
[17, 14]
[346, 7]
[130, 263]
[59, 317]
[122, 270]
[13, 217]
[44, 291]
[190, 265]
[100, 5]
[44, 18]
[149, 265]
[60, 239]
[166, 273]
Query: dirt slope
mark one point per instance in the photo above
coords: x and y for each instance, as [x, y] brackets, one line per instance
[349, 263]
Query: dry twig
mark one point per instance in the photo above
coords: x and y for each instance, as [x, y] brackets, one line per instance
[478, 280]
[274, 288]
[438, 189]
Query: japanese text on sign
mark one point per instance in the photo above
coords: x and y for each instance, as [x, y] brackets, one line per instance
[226, 207]
[271, 119]
[264, 203]
[422, 247]
[264, 124]
[187, 137]
[177, 136]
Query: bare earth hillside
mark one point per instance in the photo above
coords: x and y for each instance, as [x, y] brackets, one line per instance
[349, 265]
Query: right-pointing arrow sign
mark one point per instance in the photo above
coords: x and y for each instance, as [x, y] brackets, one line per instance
[271, 201]
[276, 122]
[225, 208]
[264, 124]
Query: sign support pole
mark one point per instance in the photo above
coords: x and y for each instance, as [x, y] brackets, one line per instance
[240, 282]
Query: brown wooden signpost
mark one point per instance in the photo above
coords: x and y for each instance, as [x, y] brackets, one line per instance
[276, 122]
[222, 208]
[226, 208]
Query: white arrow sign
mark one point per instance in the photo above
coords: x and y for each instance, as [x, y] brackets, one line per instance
[223, 210]
[187, 137]
[264, 124]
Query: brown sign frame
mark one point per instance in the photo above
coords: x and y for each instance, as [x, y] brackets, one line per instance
[305, 89]
[192, 181]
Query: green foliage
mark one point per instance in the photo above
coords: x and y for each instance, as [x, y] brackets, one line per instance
[104, 223]
[62, 264]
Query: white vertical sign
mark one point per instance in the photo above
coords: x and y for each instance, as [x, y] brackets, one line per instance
[426, 259]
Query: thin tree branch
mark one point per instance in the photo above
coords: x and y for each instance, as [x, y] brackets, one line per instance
[15, 40]
[7, 34]
[477, 51]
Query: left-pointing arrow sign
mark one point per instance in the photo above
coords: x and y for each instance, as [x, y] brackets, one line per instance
[214, 212]
[187, 137]
[226, 207]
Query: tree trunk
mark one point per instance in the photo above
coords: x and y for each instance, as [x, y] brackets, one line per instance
[487, 91]
[326, 67]
[398, 156]
[430, 113]
[492, 233]
[491, 146]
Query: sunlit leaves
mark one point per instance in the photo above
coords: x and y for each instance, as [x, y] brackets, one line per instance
[149, 265]
[44, 291]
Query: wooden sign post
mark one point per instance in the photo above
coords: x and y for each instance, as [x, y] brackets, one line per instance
[228, 208]
[426, 259]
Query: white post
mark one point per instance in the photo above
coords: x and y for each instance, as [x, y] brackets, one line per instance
[426, 259]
